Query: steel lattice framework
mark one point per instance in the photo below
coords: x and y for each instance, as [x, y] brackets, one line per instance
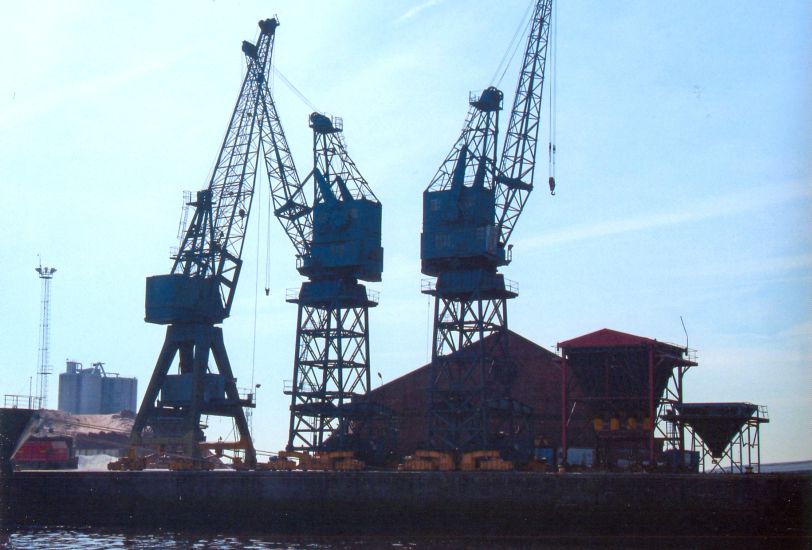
[44, 368]
[469, 369]
[337, 175]
[471, 162]
[331, 367]
[519, 153]
[199, 291]
[470, 209]
[212, 245]
[287, 191]
[337, 237]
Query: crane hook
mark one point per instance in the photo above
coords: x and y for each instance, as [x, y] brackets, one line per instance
[551, 166]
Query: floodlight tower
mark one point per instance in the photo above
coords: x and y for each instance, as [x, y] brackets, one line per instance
[44, 368]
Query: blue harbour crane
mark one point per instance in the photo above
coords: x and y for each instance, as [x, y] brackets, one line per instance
[336, 233]
[470, 209]
[198, 293]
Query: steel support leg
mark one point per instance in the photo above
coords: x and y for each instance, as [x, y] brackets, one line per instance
[330, 368]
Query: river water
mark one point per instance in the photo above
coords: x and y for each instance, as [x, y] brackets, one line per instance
[25, 539]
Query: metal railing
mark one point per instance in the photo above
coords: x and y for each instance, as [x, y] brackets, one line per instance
[292, 293]
[336, 121]
[11, 401]
[287, 388]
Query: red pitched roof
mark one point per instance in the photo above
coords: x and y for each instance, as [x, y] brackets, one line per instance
[606, 338]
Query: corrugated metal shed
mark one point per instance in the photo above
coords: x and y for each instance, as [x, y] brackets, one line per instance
[537, 384]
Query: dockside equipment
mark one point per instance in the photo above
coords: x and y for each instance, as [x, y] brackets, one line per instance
[197, 294]
[333, 219]
[470, 210]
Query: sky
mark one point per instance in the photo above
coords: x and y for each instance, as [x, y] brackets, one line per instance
[683, 172]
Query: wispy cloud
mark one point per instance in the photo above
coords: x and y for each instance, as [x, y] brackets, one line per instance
[725, 205]
[411, 12]
[18, 111]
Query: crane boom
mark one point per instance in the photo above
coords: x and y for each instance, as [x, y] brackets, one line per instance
[518, 160]
[339, 192]
[287, 190]
[212, 245]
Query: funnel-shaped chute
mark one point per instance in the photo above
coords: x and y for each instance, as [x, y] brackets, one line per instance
[716, 423]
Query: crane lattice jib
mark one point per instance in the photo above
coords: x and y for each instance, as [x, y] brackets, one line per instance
[519, 153]
[337, 169]
[471, 160]
[290, 203]
[212, 245]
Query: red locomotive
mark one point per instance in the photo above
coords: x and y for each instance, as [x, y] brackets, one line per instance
[46, 453]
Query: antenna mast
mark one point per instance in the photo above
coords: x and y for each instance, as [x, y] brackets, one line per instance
[44, 368]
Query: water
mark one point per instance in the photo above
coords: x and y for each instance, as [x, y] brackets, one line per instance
[78, 539]
[58, 538]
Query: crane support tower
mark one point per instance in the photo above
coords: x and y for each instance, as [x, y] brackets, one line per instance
[470, 209]
[331, 366]
[336, 233]
[198, 293]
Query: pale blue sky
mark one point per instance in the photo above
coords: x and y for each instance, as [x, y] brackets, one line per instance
[683, 171]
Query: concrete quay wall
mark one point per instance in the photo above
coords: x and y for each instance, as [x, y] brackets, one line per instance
[423, 503]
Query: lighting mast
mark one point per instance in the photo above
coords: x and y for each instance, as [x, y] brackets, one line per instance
[44, 368]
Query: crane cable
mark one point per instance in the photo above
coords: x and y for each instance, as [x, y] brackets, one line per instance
[258, 191]
[268, 248]
[295, 90]
[268, 222]
[552, 100]
[514, 44]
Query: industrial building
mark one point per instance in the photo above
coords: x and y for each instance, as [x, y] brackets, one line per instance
[534, 399]
[95, 391]
[610, 401]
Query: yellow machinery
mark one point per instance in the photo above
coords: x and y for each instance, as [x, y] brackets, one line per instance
[299, 460]
[484, 460]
